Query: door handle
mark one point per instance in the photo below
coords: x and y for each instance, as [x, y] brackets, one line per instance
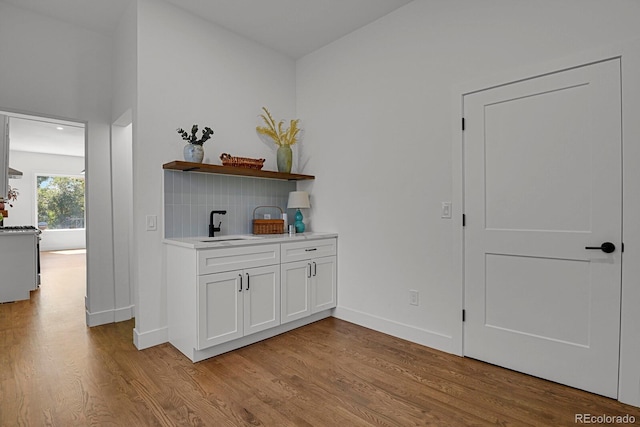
[315, 268]
[309, 273]
[240, 290]
[606, 247]
[248, 281]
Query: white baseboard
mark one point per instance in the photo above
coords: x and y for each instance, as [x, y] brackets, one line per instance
[411, 333]
[148, 339]
[124, 313]
[109, 316]
[399, 330]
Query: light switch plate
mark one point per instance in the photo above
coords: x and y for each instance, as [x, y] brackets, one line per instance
[414, 297]
[446, 210]
[152, 222]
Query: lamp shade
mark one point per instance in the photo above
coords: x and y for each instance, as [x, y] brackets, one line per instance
[298, 200]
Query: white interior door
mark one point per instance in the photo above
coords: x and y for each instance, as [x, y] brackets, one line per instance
[543, 181]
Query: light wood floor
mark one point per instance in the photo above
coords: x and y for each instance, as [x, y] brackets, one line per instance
[56, 371]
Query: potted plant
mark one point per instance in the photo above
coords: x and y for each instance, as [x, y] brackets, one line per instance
[193, 151]
[12, 196]
[283, 138]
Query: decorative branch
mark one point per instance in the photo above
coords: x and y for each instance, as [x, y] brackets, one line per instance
[193, 138]
[276, 132]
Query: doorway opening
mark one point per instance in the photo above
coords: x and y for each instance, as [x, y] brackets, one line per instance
[541, 180]
[47, 166]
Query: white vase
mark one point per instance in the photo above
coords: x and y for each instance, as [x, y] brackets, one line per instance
[193, 153]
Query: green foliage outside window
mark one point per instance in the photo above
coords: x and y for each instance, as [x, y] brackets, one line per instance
[60, 202]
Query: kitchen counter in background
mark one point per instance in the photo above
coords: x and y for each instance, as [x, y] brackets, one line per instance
[18, 263]
[243, 240]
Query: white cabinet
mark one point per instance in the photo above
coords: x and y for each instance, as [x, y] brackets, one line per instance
[237, 303]
[215, 296]
[308, 281]
[18, 264]
[4, 156]
[220, 299]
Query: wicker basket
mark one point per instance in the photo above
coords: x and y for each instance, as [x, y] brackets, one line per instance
[241, 162]
[268, 226]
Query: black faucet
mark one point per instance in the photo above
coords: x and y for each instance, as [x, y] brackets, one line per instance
[213, 229]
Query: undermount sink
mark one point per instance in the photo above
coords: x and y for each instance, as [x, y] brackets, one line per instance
[227, 238]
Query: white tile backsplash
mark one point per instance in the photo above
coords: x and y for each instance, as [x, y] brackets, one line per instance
[190, 197]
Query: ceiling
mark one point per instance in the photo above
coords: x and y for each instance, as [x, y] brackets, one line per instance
[293, 27]
[48, 136]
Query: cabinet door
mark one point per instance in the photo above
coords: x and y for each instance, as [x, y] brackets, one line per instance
[296, 299]
[261, 298]
[220, 298]
[323, 288]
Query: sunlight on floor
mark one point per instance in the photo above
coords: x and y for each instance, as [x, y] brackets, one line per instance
[70, 252]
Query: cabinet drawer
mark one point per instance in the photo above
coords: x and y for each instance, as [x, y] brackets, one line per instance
[298, 251]
[228, 259]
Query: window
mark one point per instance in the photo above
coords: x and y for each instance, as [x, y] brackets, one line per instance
[60, 202]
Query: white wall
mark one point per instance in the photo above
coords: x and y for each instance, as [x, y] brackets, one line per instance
[125, 51]
[191, 71]
[122, 207]
[377, 108]
[51, 68]
[23, 211]
[122, 116]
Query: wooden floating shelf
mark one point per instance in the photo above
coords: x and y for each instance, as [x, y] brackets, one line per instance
[230, 170]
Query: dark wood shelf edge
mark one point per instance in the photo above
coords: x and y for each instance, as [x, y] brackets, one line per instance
[228, 170]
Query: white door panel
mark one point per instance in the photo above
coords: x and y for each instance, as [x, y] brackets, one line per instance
[543, 181]
[517, 287]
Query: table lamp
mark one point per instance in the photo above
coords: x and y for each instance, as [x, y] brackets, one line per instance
[298, 200]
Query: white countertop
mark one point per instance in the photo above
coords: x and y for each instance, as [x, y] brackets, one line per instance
[19, 232]
[243, 240]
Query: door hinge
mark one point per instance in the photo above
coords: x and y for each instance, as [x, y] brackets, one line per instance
[463, 123]
[464, 220]
[464, 315]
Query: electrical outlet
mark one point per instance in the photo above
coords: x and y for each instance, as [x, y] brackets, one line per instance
[446, 210]
[413, 297]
